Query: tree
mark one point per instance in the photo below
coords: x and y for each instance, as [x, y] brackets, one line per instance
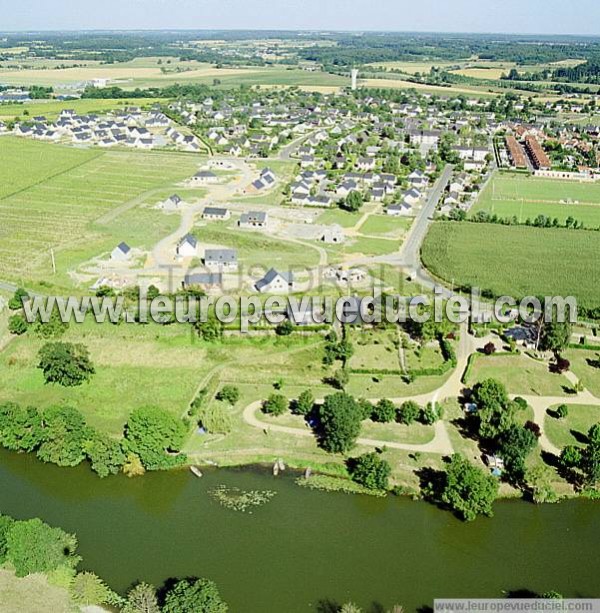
[53, 328]
[350, 607]
[561, 365]
[88, 589]
[210, 330]
[305, 403]
[20, 427]
[590, 463]
[133, 466]
[371, 471]
[229, 393]
[408, 412]
[141, 599]
[63, 435]
[430, 413]
[340, 419]
[33, 547]
[468, 490]
[155, 436]
[16, 302]
[555, 336]
[570, 456]
[489, 348]
[514, 445]
[496, 412]
[67, 364]
[562, 411]
[6, 523]
[384, 411]
[275, 404]
[285, 328]
[199, 596]
[17, 324]
[340, 378]
[352, 202]
[105, 453]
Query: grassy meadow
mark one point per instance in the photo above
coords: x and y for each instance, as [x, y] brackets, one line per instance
[515, 260]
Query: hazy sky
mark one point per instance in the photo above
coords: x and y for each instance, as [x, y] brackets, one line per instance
[519, 16]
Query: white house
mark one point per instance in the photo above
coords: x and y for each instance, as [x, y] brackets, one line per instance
[187, 246]
[275, 282]
[254, 219]
[121, 253]
[204, 177]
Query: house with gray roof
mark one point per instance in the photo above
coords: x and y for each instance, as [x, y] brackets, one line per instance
[187, 246]
[221, 260]
[253, 220]
[275, 282]
[121, 253]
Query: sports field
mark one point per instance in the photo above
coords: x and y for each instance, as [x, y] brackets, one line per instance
[515, 260]
[526, 197]
[50, 197]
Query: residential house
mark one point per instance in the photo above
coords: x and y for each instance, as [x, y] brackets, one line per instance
[121, 253]
[221, 260]
[211, 212]
[275, 282]
[187, 247]
[254, 219]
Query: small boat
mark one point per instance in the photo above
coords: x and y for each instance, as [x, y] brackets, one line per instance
[196, 471]
[280, 464]
[307, 472]
[276, 469]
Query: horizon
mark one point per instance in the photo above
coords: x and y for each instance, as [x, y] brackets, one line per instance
[512, 17]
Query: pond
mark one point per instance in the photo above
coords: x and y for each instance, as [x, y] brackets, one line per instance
[304, 548]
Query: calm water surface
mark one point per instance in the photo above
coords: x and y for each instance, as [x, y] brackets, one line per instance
[304, 547]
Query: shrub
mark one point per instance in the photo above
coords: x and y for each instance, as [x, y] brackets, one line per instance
[276, 404]
[215, 419]
[229, 394]
[17, 324]
[408, 412]
[371, 471]
[384, 411]
[562, 411]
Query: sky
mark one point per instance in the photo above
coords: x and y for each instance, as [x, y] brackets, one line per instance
[511, 16]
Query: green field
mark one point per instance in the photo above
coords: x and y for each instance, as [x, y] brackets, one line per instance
[385, 225]
[56, 204]
[520, 375]
[526, 197]
[51, 108]
[256, 248]
[374, 349]
[515, 260]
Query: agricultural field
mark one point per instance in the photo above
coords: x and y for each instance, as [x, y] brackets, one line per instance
[64, 204]
[526, 197]
[157, 72]
[572, 429]
[51, 108]
[515, 260]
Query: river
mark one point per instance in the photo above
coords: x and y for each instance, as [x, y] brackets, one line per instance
[304, 548]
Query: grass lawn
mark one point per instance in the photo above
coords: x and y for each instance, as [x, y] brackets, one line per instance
[386, 225]
[523, 197]
[257, 248]
[374, 349]
[429, 356]
[520, 375]
[568, 431]
[69, 190]
[372, 246]
[515, 261]
[340, 217]
[583, 365]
